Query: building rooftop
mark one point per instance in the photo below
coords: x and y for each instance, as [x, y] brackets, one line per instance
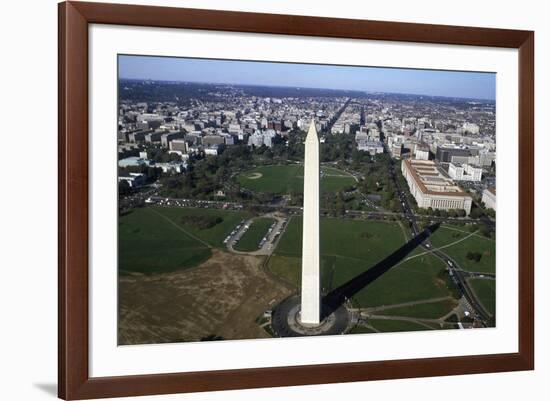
[430, 180]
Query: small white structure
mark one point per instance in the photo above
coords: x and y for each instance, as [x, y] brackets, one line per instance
[311, 283]
[133, 179]
[212, 150]
[172, 167]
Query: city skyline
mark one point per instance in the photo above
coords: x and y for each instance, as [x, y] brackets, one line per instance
[455, 84]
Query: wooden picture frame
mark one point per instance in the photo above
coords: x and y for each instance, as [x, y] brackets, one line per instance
[74, 20]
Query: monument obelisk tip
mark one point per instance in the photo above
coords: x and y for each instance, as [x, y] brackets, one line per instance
[312, 132]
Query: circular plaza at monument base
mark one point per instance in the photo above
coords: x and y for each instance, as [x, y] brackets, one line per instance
[285, 320]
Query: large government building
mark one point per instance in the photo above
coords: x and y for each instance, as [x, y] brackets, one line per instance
[432, 189]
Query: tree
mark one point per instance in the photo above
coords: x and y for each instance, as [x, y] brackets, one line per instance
[124, 188]
[475, 256]
[476, 213]
[394, 205]
[484, 230]
[340, 205]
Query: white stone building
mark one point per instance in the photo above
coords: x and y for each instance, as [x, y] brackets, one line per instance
[421, 153]
[133, 179]
[431, 189]
[372, 147]
[464, 172]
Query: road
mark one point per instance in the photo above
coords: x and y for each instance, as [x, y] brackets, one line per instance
[273, 236]
[296, 210]
[336, 116]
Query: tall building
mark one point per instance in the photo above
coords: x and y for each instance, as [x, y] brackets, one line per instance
[464, 172]
[136, 136]
[209, 140]
[153, 137]
[165, 139]
[450, 153]
[396, 150]
[431, 189]
[421, 152]
[311, 283]
[489, 198]
[179, 145]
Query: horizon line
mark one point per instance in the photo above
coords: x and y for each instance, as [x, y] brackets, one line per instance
[304, 87]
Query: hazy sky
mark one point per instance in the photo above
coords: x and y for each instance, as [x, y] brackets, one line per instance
[423, 82]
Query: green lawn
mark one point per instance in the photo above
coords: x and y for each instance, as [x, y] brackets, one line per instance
[349, 248]
[288, 267]
[150, 243]
[284, 179]
[213, 236]
[432, 310]
[486, 292]
[395, 325]
[447, 234]
[250, 240]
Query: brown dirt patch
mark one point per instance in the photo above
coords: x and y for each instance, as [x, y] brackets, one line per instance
[222, 297]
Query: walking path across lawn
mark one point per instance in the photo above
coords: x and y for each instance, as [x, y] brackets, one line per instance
[396, 266]
[467, 232]
[411, 303]
[441, 247]
[180, 228]
[417, 320]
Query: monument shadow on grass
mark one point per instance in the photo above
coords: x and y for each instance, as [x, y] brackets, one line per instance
[337, 297]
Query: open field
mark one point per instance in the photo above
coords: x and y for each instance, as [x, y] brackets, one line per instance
[448, 234]
[199, 291]
[250, 240]
[284, 179]
[486, 292]
[156, 239]
[287, 267]
[215, 235]
[221, 298]
[351, 247]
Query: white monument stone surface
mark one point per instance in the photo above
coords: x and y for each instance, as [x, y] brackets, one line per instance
[311, 285]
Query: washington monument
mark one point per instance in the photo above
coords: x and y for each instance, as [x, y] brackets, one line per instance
[311, 285]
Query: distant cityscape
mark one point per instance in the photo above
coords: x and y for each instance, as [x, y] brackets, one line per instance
[457, 133]
[223, 163]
